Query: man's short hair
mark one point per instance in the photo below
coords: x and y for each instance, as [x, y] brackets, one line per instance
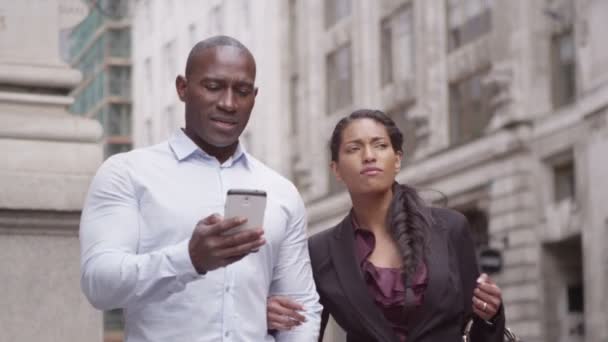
[212, 42]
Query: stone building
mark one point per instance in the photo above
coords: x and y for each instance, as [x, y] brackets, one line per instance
[48, 159]
[504, 104]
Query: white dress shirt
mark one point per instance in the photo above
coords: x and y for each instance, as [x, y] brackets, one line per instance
[138, 218]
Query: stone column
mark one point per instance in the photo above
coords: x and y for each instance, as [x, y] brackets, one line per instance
[512, 214]
[49, 157]
[595, 257]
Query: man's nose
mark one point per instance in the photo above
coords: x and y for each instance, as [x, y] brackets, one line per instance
[227, 101]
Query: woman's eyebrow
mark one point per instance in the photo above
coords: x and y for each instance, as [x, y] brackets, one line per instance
[360, 141]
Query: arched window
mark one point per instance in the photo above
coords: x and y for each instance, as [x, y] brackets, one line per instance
[478, 219]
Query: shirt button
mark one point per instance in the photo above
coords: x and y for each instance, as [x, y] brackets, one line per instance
[227, 333]
[227, 288]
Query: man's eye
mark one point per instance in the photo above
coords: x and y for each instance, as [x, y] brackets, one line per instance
[352, 149]
[243, 91]
[212, 86]
[382, 146]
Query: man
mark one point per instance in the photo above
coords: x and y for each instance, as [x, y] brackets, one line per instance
[145, 248]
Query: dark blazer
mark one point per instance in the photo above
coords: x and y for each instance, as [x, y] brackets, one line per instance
[453, 272]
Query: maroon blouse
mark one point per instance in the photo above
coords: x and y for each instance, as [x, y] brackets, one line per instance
[386, 287]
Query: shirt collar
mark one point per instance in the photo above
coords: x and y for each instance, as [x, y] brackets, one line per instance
[183, 147]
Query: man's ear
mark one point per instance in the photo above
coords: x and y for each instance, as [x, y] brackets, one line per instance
[398, 161]
[334, 170]
[255, 91]
[180, 86]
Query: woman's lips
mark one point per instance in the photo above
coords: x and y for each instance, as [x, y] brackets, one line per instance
[371, 171]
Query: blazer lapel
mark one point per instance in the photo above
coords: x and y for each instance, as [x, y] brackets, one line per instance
[437, 266]
[342, 247]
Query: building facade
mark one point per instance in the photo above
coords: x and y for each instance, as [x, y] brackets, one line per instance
[504, 104]
[100, 47]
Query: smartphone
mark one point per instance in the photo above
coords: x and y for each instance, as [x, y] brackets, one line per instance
[247, 203]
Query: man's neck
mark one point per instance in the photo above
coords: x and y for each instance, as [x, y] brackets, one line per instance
[371, 210]
[220, 153]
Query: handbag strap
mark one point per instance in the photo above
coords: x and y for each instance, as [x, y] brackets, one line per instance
[466, 333]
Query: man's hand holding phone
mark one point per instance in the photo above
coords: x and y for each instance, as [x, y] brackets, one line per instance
[211, 248]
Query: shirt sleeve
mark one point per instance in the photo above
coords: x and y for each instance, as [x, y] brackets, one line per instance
[113, 274]
[292, 277]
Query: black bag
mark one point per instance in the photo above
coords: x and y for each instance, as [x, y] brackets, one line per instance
[509, 335]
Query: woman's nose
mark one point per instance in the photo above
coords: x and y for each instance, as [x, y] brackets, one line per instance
[369, 155]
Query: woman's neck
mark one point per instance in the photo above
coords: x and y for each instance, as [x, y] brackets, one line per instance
[371, 210]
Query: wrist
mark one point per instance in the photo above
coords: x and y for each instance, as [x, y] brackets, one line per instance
[197, 267]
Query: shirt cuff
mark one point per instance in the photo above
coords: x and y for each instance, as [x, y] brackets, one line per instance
[179, 258]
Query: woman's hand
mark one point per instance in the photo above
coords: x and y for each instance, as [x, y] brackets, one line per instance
[283, 313]
[487, 298]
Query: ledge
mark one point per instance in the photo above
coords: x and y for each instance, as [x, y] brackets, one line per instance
[39, 76]
[39, 222]
[35, 99]
[50, 127]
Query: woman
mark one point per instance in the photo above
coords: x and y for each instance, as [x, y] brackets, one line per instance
[394, 269]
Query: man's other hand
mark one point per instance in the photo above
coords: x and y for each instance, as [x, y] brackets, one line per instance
[283, 313]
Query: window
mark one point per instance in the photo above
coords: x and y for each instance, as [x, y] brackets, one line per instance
[467, 21]
[339, 79]
[119, 120]
[149, 75]
[170, 122]
[408, 129]
[336, 10]
[149, 133]
[119, 43]
[397, 46]
[149, 15]
[564, 181]
[293, 103]
[470, 112]
[91, 94]
[115, 9]
[97, 89]
[170, 62]
[478, 221]
[112, 149]
[386, 52]
[293, 31]
[119, 82]
[563, 70]
[193, 34]
[215, 20]
[576, 299]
